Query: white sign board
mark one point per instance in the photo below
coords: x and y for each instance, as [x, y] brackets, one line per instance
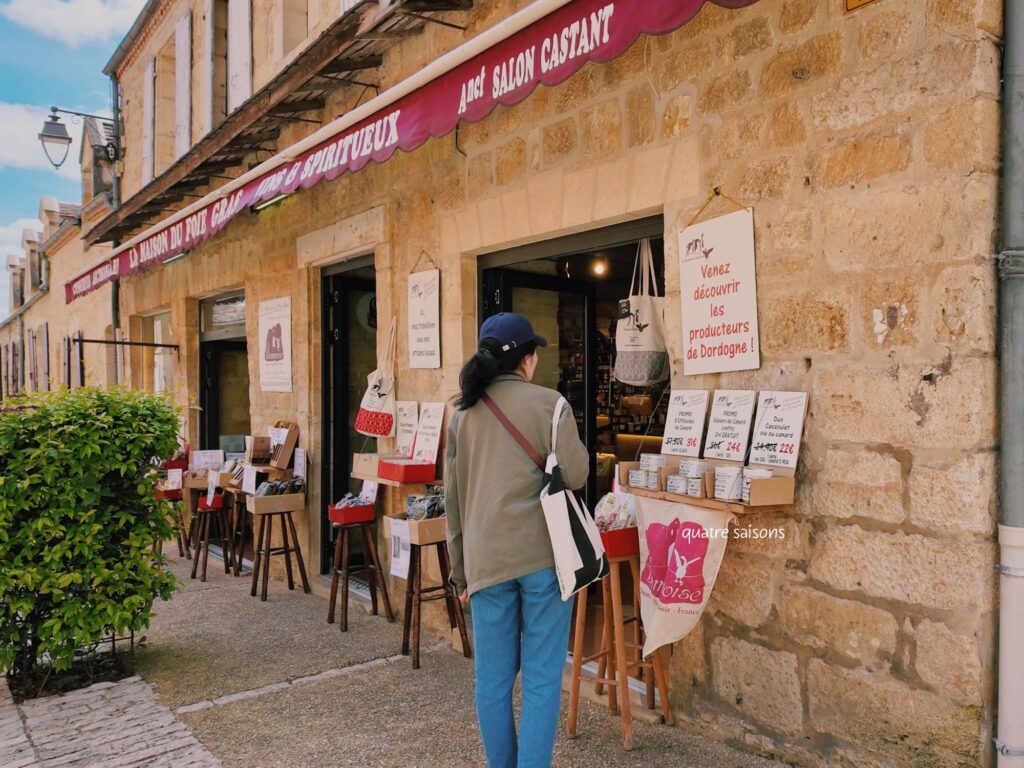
[778, 428]
[425, 319]
[405, 434]
[300, 463]
[729, 427]
[400, 548]
[684, 430]
[275, 340]
[211, 487]
[719, 295]
[428, 433]
[203, 460]
[173, 480]
[249, 480]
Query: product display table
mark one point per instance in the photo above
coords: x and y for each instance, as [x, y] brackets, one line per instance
[613, 664]
[415, 595]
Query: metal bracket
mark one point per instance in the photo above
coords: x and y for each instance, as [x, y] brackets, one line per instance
[432, 20]
[1011, 264]
[1009, 570]
[1006, 749]
[122, 343]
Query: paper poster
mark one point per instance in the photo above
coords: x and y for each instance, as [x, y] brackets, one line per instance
[275, 345]
[729, 427]
[405, 433]
[173, 480]
[300, 463]
[777, 429]
[428, 432]
[400, 548]
[425, 319]
[684, 428]
[719, 295]
[369, 491]
[211, 487]
[249, 480]
[204, 460]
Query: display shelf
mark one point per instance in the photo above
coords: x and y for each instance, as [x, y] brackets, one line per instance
[725, 506]
[392, 483]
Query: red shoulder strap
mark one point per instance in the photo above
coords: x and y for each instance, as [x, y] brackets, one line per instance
[511, 429]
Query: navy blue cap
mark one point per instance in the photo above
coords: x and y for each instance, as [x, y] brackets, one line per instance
[510, 330]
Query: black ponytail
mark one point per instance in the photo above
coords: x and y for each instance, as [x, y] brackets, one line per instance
[488, 363]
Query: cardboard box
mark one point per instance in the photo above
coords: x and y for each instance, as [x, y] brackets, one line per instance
[194, 479]
[286, 502]
[422, 532]
[622, 542]
[257, 449]
[360, 513]
[778, 491]
[282, 455]
[406, 471]
[364, 465]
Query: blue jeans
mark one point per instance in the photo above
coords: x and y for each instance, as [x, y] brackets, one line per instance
[520, 624]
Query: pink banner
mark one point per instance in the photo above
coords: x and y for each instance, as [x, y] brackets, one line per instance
[548, 51]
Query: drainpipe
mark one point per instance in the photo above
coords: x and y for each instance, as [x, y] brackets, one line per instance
[115, 101]
[1010, 739]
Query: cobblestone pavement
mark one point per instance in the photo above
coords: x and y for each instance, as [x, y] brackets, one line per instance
[102, 726]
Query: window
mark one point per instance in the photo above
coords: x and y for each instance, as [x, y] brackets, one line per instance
[294, 23]
[215, 64]
[183, 85]
[148, 126]
[163, 112]
[239, 53]
[158, 363]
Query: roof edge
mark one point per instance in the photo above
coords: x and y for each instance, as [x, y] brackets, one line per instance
[129, 39]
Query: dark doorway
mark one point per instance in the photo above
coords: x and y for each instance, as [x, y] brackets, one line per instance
[349, 356]
[224, 394]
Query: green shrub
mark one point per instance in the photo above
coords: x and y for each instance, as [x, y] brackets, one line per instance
[78, 521]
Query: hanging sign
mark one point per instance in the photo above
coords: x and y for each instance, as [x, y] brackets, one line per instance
[428, 432]
[729, 427]
[405, 434]
[719, 295]
[546, 51]
[778, 428]
[425, 319]
[687, 409]
[275, 340]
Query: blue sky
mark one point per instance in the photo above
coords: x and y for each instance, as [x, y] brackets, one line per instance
[52, 52]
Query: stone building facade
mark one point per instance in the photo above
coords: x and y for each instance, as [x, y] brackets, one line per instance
[867, 144]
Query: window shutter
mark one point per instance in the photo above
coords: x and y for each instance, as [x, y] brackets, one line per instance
[65, 362]
[3, 371]
[183, 85]
[206, 70]
[44, 333]
[148, 129]
[239, 52]
[30, 360]
[77, 361]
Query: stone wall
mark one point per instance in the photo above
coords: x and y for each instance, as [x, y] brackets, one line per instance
[867, 145]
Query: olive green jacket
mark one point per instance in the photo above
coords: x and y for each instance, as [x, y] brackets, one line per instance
[496, 528]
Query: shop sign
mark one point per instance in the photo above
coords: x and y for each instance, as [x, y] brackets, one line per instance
[778, 428]
[684, 427]
[547, 52]
[729, 428]
[719, 295]
[408, 413]
[425, 319]
[275, 345]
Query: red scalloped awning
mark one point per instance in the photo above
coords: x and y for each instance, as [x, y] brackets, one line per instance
[547, 52]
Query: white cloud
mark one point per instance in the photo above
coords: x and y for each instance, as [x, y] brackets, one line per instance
[10, 244]
[20, 147]
[74, 22]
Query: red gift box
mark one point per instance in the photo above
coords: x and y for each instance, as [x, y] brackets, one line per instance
[171, 494]
[406, 471]
[174, 464]
[357, 513]
[621, 542]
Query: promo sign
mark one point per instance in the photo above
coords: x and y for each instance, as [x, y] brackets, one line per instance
[778, 428]
[719, 295]
[729, 428]
[428, 432]
[687, 409]
[408, 412]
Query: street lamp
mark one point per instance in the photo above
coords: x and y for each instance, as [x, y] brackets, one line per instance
[56, 141]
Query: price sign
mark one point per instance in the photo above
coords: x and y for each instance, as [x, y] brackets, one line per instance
[249, 480]
[405, 435]
[428, 433]
[400, 548]
[173, 480]
[778, 429]
[211, 487]
[729, 429]
[300, 463]
[685, 426]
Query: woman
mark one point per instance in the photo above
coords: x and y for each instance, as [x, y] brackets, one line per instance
[498, 540]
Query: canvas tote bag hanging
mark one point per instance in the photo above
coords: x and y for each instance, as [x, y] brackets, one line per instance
[376, 417]
[641, 357]
[575, 538]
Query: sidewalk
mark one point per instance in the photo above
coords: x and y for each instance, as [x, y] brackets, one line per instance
[262, 685]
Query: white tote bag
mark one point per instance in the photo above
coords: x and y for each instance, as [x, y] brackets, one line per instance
[376, 416]
[681, 550]
[641, 357]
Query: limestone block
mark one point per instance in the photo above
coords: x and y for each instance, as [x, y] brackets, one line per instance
[688, 666]
[890, 312]
[965, 137]
[799, 66]
[853, 629]
[639, 116]
[480, 175]
[792, 229]
[753, 35]
[580, 191]
[786, 126]
[647, 177]
[949, 662]
[516, 205]
[861, 159]
[964, 301]
[724, 91]
[765, 179]
[953, 15]
[805, 321]
[581, 87]
[912, 727]
[745, 589]
[611, 194]
[683, 66]
[510, 162]
[797, 14]
[740, 135]
[768, 536]
[601, 129]
[955, 498]
[762, 684]
[862, 484]
[546, 197]
[676, 116]
[914, 404]
[559, 140]
[908, 568]
[885, 35]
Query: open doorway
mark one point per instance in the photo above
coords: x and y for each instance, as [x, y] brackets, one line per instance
[224, 374]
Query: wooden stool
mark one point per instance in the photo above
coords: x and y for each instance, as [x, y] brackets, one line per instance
[174, 497]
[341, 568]
[239, 519]
[415, 595]
[205, 513]
[264, 551]
[614, 649]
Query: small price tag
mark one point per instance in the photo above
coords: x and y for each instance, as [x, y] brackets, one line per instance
[174, 479]
[729, 429]
[211, 486]
[249, 481]
[778, 429]
[684, 428]
[400, 548]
